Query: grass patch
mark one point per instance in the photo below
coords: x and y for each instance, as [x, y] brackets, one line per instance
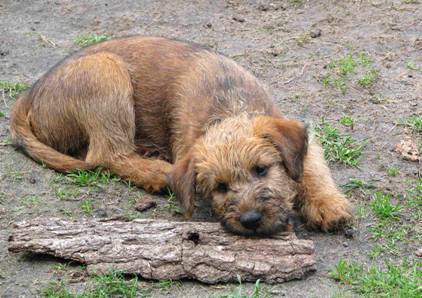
[348, 69]
[92, 38]
[31, 201]
[347, 121]
[338, 147]
[393, 172]
[113, 284]
[56, 290]
[239, 292]
[412, 66]
[354, 184]
[2, 114]
[383, 208]
[172, 204]
[414, 122]
[91, 178]
[395, 281]
[12, 89]
[66, 193]
[414, 200]
[369, 78]
[166, 285]
[87, 207]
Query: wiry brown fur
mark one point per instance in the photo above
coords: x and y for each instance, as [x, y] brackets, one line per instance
[213, 125]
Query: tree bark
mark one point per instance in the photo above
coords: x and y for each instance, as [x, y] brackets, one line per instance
[159, 249]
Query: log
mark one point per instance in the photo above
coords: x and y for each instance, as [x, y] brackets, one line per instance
[159, 249]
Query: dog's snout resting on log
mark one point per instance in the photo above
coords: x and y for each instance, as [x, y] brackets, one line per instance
[218, 134]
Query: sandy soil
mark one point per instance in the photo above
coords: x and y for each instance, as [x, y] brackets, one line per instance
[274, 41]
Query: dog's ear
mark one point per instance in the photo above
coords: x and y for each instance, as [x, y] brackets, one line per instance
[182, 182]
[290, 137]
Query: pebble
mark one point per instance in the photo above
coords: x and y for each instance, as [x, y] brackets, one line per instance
[101, 213]
[315, 33]
[349, 233]
[32, 180]
[418, 253]
[345, 244]
[239, 19]
[145, 203]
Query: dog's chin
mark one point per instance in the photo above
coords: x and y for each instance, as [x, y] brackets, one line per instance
[235, 227]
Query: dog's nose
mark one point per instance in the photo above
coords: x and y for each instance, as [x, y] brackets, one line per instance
[251, 219]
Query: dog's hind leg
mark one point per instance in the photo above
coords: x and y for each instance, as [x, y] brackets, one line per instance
[104, 107]
[322, 204]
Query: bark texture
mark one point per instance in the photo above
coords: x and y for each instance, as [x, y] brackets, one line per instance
[159, 249]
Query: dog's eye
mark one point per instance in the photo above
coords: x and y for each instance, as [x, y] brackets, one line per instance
[222, 187]
[260, 171]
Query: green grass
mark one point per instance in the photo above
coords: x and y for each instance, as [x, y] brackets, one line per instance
[172, 205]
[347, 121]
[393, 172]
[31, 201]
[376, 251]
[239, 292]
[66, 193]
[168, 284]
[364, 59]
[91, 178]
[401, 281]
[412, 66]
[354, 184]
[369, 78]
[339, 147]
[89, 39]
[414, 122]
[348, 69]
[414, 200]
[2, 114]
[113, 284]
[56, 290]
[87, 207]
[12, 89]
[383, 208]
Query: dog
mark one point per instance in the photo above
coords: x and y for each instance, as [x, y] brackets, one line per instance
[160, 112]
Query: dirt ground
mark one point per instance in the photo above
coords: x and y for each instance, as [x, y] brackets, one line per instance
[288, 44]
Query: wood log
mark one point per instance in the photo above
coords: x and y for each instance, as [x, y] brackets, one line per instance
[159, 249]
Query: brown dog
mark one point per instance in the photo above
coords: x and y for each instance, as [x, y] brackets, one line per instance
[116, 103]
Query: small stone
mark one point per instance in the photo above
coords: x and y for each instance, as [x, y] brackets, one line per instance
[239, 19]
[208, 25]
[145, 203]
[101, 213]
[263, 7]
[418, 43]
[349, 233]
[315, 33]
[345, 244]
[32, 180]
[77, 276]
[418, 253]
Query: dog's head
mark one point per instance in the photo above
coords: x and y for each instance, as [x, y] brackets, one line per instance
[249, 169]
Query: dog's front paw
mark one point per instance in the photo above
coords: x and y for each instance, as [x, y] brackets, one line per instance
[328, 213]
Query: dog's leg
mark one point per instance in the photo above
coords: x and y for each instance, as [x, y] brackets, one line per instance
[101, 92]
[150, 174]
[322, 204]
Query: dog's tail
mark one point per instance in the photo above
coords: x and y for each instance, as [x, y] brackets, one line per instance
[23, 137]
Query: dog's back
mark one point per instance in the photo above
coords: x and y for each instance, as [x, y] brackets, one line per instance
[171, 81]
